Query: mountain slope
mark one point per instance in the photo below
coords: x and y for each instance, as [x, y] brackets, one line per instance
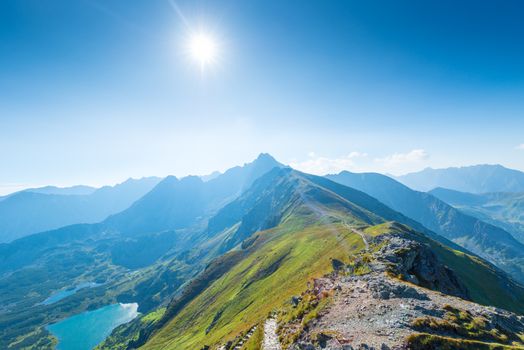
[314, 228]
[502, 209]
[272, 265]
[474, 179]
[47, 208]
[488, 241]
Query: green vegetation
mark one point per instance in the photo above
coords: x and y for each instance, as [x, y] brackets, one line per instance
[255, 342]
[359, 264]
[154, 316]
[124, 336]
[276, 267]
[22, 324]
[462, 324]
[423, 341]
[39, 339]
[294, 319]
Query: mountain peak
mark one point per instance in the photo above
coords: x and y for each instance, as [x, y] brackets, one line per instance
[481, 178]
[265, 156]
[266, 160]
[191, 179]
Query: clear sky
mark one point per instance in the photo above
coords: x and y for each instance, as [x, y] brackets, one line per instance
[96, 91]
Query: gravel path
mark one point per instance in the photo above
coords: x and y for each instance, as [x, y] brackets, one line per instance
[360, 233]
[270, 335]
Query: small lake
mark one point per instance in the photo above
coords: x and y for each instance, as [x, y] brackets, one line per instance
[67, 292]
[86, 330]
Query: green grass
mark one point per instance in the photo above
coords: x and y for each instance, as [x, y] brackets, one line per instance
[123, 336]
[277, 266]
[39, 339]
[255, 342]
[154, 316]
[462, 324]
[424, 341]
[293, 320]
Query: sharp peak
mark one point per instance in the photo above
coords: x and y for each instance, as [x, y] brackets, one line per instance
[264, 157]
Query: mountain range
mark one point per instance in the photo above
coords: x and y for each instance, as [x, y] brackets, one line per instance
[46, 208]
[474, 179]
[264, 256]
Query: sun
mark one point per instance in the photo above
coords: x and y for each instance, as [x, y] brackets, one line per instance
[203, 49]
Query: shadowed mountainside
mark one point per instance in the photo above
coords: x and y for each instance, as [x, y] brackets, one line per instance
[502, 209]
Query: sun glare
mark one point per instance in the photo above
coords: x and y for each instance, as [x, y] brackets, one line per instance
[203, 49]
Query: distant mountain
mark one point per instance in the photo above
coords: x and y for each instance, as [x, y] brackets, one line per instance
[211, 176]
[503, 209]
[488, 241]
[73, 190]
[473, 179]
[176, 204]
[46, 208]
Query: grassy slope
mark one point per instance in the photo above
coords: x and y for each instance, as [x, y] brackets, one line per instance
[278, 264]
[486, 284]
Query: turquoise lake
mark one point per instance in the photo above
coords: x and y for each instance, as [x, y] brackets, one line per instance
[86, 330]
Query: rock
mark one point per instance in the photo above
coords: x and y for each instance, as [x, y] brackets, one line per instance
[295, 300]
[418, 265]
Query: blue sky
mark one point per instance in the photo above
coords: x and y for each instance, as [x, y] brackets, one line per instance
[96, 91]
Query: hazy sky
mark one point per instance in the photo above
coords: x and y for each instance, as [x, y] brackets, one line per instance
[96, 91]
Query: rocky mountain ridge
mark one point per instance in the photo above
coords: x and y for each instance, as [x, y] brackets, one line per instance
[405, 299]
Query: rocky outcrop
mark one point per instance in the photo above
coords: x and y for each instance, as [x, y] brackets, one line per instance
[416, 263]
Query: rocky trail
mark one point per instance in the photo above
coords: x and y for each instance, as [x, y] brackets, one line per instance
[360, 233]
[270, 335]
[376, 311]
